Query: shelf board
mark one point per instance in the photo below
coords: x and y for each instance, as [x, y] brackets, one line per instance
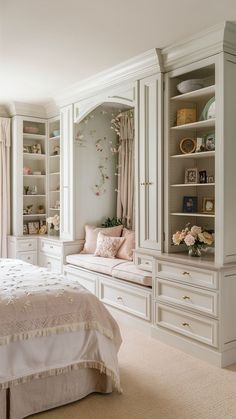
[54, 155]
[196, 94]
[33, 215]
[55, 191]
[200, 155]
[54, 138]
[198, 214]
[208, 123]
[55, 173]
[34, 136]
[34, 156]
[180, 185]
[34, 196]
[35, 176]
[54, 209]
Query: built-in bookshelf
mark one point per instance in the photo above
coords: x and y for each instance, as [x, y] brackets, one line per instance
[36, 173]
[191, 175]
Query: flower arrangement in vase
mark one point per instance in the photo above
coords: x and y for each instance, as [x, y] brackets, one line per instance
[54, 225]
[196, 238]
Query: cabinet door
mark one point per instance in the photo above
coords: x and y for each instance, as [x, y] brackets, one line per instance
[67, 174]
[150, 163]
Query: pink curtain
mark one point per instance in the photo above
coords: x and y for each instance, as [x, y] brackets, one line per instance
[4, 184]
[125, 195]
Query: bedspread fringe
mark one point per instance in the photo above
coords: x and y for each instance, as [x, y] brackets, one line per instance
[98, 365]
[75, 327]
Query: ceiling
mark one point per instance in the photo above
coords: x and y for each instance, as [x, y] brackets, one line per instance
[47, 45]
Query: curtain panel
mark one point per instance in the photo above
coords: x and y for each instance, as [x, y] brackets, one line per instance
[5, 142]
[125, 195]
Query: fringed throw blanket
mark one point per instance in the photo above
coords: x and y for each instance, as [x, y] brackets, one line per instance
[35, 303]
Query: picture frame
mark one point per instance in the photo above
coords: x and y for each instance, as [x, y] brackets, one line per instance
[25, 228]
[210, 179]
[200, 145]
[191, 175]
[202, 176]
[33, 227]
[208, 205]
[187, 145]
[210, 142]
[190, 204]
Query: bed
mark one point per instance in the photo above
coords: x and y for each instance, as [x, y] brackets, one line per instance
[58, 343]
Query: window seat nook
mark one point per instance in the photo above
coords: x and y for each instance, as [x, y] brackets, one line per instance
[116, 282]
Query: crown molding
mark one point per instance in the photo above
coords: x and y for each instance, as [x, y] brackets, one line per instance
[133, 69]
[219, 38]
[27, 109]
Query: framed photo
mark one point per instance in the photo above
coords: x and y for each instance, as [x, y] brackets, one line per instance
[210, 142]
[187, 145]
[33, 227]
[210, 179]
[191, 175]
[208, 205]
[200, 146]
[190, 204]
[202, 176]
[25, 229]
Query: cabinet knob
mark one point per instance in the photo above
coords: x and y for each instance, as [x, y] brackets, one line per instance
[30, 244]
[149, 183]
[28, 257]
[143, 183]
[186, 273]
[119, 298]
[185, 297]
[51, 247]
[185, 324]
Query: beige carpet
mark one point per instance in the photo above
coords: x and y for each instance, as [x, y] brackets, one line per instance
[159, 382]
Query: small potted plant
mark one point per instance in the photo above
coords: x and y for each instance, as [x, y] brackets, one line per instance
[196, 238]
[53, 225]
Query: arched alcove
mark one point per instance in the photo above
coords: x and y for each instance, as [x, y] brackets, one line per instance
[96, 161]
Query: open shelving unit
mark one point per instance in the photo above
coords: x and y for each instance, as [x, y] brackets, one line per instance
[177, 162]
[54, 167]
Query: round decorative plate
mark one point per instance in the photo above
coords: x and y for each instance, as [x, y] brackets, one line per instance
[187, 145]
[208, 110]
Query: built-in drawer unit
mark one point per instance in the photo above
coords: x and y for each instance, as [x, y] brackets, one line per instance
[132, 299]
[51, 263]
[50, 248]
[30, 257]
[144, 262]
[86, 279]
[194, 276]
[187, 296]
[26, 245]
[200, 328]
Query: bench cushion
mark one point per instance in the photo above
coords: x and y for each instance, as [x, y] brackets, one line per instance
[94, 263]
[129, 272]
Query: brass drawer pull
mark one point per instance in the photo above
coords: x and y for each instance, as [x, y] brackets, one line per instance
[185, 297]
[186, 273]
[185, 324]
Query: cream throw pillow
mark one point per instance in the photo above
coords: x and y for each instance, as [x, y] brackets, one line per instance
[91, 235]
[127, 248]
[107, 246]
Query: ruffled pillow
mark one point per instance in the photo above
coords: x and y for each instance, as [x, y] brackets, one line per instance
[91, 235]
[127, 248]
[107, 246]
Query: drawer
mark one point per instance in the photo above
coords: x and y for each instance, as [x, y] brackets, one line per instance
[190, 325]
[130, 299]
[51, 263]
[186, 296]
[26, 245]
[30, 257]
[190, 275]
[143, 262]
[50, 248]
[86, 279]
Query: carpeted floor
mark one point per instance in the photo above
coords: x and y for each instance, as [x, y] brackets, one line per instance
[159, 382]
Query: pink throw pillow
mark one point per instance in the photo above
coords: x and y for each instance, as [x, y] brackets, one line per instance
[91, 235]
[127, 248]
[107, 246]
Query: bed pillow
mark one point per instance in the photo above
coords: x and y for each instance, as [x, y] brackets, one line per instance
[107, 247]
[127, 248]
[91, 235]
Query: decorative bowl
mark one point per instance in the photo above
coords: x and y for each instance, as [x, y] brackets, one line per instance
[187, 86]
[31, 130]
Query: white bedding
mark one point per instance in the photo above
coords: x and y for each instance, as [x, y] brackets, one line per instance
[30, 355]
